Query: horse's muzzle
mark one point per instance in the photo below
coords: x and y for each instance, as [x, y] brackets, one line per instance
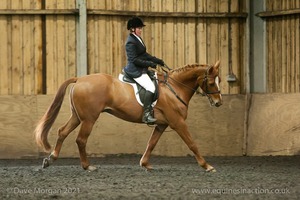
[217, 104]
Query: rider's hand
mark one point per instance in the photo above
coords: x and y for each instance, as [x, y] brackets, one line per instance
[160, 62]
[153, 65]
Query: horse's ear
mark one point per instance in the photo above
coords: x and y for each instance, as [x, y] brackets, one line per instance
[217, 65]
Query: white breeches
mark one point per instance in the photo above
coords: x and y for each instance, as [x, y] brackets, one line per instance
[146, 82]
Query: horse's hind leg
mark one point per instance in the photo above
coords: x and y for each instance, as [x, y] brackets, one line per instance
[157, 132]
[81, 141]
[63, 132]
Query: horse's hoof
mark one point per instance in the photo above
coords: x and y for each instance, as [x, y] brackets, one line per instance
[91, 168]
[212, 170]
[147, 167]
[46, 163]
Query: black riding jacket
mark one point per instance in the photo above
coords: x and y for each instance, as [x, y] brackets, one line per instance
[138, 60]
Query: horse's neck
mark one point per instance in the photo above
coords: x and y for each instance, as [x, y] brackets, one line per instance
[189, 75]
[187, 78]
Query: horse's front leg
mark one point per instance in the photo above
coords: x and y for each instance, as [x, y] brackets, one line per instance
[156, 134]
[182, 130]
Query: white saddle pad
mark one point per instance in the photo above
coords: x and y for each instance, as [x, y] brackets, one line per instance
[135, 88]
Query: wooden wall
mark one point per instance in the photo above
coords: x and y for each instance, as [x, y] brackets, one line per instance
[283, 46]
[39, 48]
[38, 41]
[60, 49]
[177, 39]
[20, 49]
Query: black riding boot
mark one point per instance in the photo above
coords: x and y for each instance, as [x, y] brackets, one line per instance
[147, 117]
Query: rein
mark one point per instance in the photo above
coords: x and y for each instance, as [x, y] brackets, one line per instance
[165, 81]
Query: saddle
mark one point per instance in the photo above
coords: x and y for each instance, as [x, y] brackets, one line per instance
[138, 89]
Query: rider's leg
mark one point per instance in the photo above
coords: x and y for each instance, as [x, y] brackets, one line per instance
[147, 116]
[147, 83]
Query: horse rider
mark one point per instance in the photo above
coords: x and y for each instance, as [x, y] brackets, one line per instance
[138, 61]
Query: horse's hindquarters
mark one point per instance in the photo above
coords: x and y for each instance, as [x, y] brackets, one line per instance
[98, 93]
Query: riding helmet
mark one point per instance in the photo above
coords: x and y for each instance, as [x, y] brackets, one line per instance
[135, 22]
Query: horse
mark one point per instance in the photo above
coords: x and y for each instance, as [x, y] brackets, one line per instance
[93, 94]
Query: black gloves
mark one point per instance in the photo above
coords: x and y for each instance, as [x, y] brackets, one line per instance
[160, 62]
[153, 65]
[155, 62]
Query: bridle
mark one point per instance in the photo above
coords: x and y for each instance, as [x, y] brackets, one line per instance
[204, 83]
[205, 80]
[206, 92]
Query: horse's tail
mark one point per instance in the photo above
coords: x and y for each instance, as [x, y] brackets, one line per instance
[45, 123]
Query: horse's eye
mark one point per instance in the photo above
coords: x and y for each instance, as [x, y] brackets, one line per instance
[211, 83]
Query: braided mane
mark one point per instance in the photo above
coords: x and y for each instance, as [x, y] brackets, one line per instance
[186, 67]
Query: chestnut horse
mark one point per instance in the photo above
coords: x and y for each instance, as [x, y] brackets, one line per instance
[97, 93]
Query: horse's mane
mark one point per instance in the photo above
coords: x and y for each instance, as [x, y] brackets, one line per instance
[186, 67]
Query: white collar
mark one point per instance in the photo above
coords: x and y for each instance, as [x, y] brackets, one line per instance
[138, 38]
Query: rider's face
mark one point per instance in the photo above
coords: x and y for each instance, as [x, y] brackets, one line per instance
[138, 31]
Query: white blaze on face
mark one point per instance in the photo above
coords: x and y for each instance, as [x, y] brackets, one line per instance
[217, 82]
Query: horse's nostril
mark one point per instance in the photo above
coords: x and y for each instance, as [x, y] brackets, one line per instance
[218, 104]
